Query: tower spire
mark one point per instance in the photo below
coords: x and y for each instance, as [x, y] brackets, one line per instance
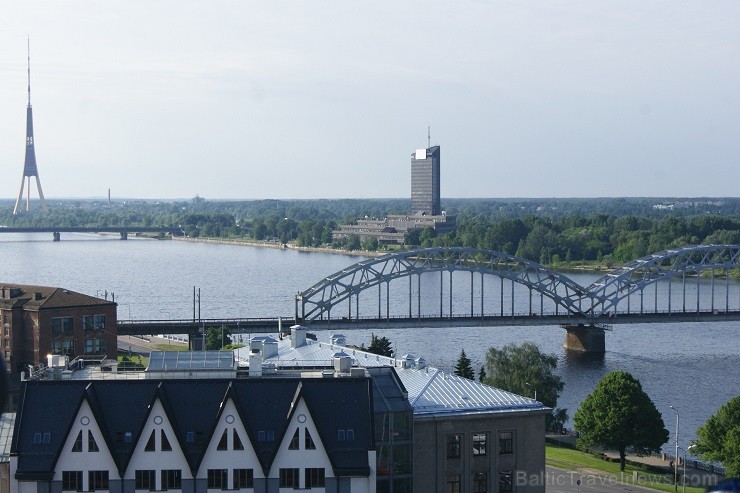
[29, 167]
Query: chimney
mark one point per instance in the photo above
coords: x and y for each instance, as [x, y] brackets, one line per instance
[255, 363]
[37, 296]
[297, 336]
[342, 362]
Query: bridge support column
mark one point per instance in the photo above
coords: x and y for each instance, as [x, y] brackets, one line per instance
[124, 235]
[55, 236]
[584, 338]
[195, 341]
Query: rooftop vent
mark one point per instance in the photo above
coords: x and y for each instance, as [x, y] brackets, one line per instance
[342, 362]
[297, 336]
[338, 340]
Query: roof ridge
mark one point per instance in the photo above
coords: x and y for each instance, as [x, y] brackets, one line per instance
[437, 371]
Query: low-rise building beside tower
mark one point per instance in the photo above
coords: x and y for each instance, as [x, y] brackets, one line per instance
[426, 208]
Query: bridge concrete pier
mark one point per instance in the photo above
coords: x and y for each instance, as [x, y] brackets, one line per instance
[124, 235]
[56, 236]
[584, 338]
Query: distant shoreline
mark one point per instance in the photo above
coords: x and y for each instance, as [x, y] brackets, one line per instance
[280, 246]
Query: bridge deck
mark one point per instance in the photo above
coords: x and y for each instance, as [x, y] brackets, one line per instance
[272, 325]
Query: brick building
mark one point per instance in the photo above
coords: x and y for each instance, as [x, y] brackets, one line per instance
[41, 320]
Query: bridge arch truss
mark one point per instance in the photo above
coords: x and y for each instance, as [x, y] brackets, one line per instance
[634, 277]
[597, 301]
[318, 301]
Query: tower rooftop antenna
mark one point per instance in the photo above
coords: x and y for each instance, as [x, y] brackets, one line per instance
[29, 71]
[429, 130]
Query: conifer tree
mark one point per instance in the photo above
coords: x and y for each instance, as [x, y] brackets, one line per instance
[463, 367]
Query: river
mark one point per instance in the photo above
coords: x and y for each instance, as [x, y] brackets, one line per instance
[691, 366]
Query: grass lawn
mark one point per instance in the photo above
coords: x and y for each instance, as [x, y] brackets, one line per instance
[575, 460]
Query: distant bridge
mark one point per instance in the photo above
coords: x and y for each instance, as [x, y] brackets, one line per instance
[123, 231]
[617, 297]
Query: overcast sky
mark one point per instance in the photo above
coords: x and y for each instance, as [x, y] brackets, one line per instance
[328, 99]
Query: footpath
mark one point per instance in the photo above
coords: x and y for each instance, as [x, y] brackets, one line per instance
[695, 475]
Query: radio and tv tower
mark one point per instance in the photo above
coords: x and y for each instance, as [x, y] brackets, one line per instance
[29, 168]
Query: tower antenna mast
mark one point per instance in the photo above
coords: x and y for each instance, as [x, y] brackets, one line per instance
[29, 167]
[429, 128]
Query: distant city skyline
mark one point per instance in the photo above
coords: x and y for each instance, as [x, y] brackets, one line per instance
[324, 99]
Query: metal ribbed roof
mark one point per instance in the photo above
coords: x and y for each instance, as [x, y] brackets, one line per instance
[430, 390]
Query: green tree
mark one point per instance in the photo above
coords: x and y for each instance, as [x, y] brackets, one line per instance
[380, 345]
[217, 338]
[482, 374]
[719, 437]
[523, 369]
[463, 368]
[619, 415]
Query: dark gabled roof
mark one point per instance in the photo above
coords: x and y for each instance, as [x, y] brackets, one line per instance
[48, 412]
[193, 407]
[49, 298]
[263, 405]
[122, 407]
[343, 404]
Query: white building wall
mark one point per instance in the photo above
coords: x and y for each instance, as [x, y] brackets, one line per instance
[301, 458]
[158, 460]
[230, 459]
[85, 461]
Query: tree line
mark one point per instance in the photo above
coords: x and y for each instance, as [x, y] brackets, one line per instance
[548, 231]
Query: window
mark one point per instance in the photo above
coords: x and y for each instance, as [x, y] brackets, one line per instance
[506, 442]
[289, 478]
[7, 331]
[295, 441]
[480, 444]
[127, 437]
[92, 445]
[453, 446]
[71, 480]
[61, 326]
[270, 435]
[505, 483]
[47, 438]
[341, 435]
[166, 447]
[90, 322]
[77, 446]
[314, 477]
[223, 443]
[97, 480]
[261, 436]
[190, 437]
[308, 441]
[150, 444]
[217, 478]
[243, 478]
[452, 483]
[350, 434]
[171, 479]
[144, 479]
[6, 318]
[237, 441]
[480, 482]
[37, 438]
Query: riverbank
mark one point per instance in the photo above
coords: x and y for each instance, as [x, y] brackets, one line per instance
[280, 246]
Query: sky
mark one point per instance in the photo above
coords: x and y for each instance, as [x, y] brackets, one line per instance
[164, 99]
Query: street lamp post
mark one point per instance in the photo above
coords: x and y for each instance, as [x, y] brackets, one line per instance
[675, 465]
[532, 387]
[683, 478]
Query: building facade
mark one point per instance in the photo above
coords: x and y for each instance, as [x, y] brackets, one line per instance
[41, 320]
[425, 193]
[258, 435]
[465, 437]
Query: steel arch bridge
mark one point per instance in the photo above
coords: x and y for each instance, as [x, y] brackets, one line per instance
[598, 300]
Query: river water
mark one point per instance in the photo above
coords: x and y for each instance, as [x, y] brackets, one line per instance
[694, 367]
